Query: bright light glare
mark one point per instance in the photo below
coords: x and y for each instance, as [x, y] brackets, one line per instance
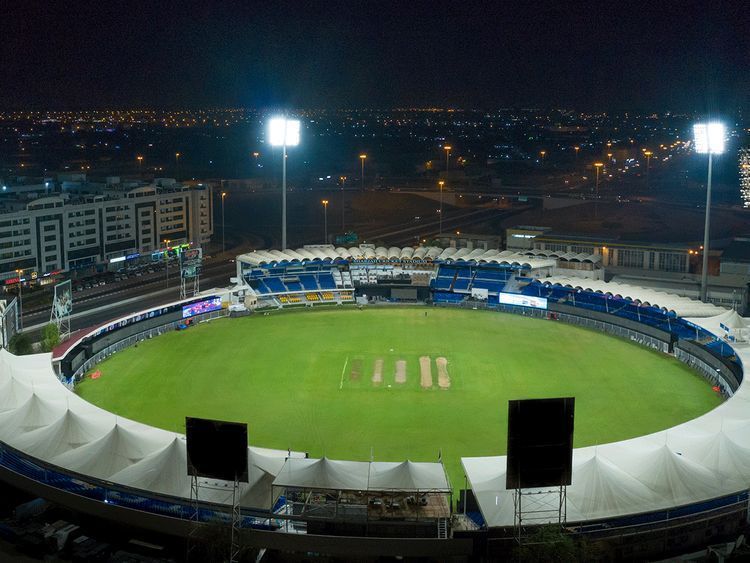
[282, 131]
[709, 137]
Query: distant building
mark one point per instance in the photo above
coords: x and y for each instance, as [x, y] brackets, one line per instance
[82, 225]
[744, 166]
[671, 267]
[615, 253]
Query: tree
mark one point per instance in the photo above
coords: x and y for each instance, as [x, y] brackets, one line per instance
[548, 543]
[20, 344]
[50, 337]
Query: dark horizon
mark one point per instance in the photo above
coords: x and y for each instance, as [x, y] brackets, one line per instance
[684, 57]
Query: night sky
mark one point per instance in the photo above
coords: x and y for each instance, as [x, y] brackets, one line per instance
[685, 56]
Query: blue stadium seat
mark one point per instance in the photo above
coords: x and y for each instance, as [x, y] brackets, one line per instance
[275, 285]
[308, 282]
[326, 281]
[293, 285]
[461, 284]
[491, 286]
[446, 297]
[443, 283]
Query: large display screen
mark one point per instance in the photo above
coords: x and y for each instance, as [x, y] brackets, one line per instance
[216, 449]
[213, 304]
[523, 300]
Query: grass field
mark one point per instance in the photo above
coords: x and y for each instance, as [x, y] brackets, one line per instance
[303, 380]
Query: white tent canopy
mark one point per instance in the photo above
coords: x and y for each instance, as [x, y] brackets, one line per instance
[408, 476]
[323, 474]
[395, 253]
[738, 326]
[380, 476]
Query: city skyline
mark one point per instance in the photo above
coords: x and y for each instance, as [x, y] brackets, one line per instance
[674, 56]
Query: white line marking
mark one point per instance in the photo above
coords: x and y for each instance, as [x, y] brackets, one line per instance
[341, 385]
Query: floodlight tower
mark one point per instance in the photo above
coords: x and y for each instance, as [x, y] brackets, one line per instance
[709, 139]
[441, 183]
[283, 132]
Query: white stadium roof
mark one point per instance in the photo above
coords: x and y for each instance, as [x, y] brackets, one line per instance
[683, 306]
[395, 254]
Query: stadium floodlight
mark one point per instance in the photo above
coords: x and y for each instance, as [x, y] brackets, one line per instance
[283, 132]
[710, 139]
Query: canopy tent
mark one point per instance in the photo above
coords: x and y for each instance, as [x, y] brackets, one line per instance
[323, 474]
[408, 476]
[378, 476]
[164, 472]
[728, 323]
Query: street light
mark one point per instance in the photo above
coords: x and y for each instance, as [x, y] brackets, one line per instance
[343, 208]
[576, 148]
[542, 154]
[139, 158]
[648, 155]
[283, 132]
[325, 221]
[362, 158]
[223, 195]
[441, 183]
[598, 166]
[166, 256]
[19, 272]
[710, 140]
[447, 149]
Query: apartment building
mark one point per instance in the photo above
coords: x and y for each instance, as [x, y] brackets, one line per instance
[77, 229]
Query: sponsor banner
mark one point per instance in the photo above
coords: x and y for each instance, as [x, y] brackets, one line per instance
[190, 262]
[523, 300]
[62, 304]
[206, 306]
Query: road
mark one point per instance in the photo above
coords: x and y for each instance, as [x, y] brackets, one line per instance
[115, 300]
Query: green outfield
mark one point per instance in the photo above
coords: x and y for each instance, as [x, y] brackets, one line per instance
[331, 381]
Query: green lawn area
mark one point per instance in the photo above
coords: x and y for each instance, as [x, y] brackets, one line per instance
[288, 375]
